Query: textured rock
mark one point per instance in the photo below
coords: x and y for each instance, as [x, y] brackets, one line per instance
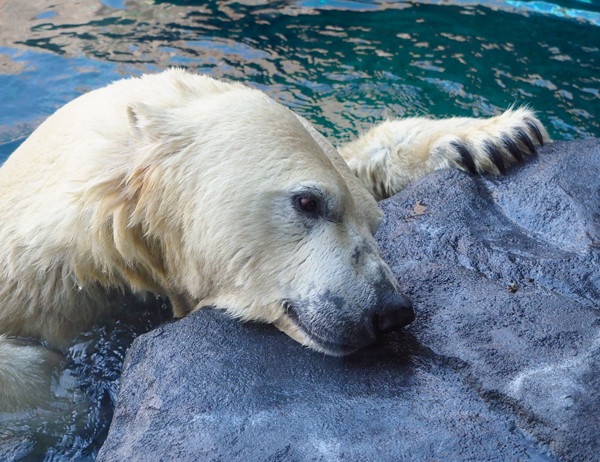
[502, 363]
[535, 351]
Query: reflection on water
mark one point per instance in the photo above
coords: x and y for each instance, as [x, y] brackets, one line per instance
[342, 68]
[342, 64]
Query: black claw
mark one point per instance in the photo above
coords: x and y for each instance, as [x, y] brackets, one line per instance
[513, 148]
[535, 130]
[466, 158]
[523, 138]
[495, 156]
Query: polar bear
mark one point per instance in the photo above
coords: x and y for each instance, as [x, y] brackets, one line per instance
[212, 194]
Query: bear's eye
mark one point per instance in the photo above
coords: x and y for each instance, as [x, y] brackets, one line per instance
[308, 204]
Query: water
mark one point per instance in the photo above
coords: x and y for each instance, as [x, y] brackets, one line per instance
[342, 64]
[75, 424]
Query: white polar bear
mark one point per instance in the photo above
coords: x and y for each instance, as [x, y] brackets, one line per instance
[212, 194]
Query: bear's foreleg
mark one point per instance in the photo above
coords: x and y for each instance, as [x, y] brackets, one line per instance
[25, 374]
[397, 152]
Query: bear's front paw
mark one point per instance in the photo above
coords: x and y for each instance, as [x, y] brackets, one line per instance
[489, 146]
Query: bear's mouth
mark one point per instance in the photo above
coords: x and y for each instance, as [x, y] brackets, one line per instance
[325, 345]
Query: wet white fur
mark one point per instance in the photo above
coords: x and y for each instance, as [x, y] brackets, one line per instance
[25, 373]
[395, 153]
[110, 194]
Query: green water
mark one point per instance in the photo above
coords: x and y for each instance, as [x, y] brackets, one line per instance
[343, 64]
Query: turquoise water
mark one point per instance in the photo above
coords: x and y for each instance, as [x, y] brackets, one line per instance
[343, 64]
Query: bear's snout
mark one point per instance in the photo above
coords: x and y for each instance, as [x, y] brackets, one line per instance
[337, 326]
[393, 312]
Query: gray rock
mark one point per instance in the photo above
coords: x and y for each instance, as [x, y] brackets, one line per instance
[502, 362]
[534, 352]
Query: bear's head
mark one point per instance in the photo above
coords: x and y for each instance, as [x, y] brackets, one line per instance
[252, 211]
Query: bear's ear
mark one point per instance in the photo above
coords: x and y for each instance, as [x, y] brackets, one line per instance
[145, 121]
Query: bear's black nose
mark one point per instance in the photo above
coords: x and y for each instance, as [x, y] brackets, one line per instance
[394, 312]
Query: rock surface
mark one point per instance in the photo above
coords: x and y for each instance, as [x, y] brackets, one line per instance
[502, 362]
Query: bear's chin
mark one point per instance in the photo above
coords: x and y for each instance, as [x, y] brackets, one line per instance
[292, 325]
